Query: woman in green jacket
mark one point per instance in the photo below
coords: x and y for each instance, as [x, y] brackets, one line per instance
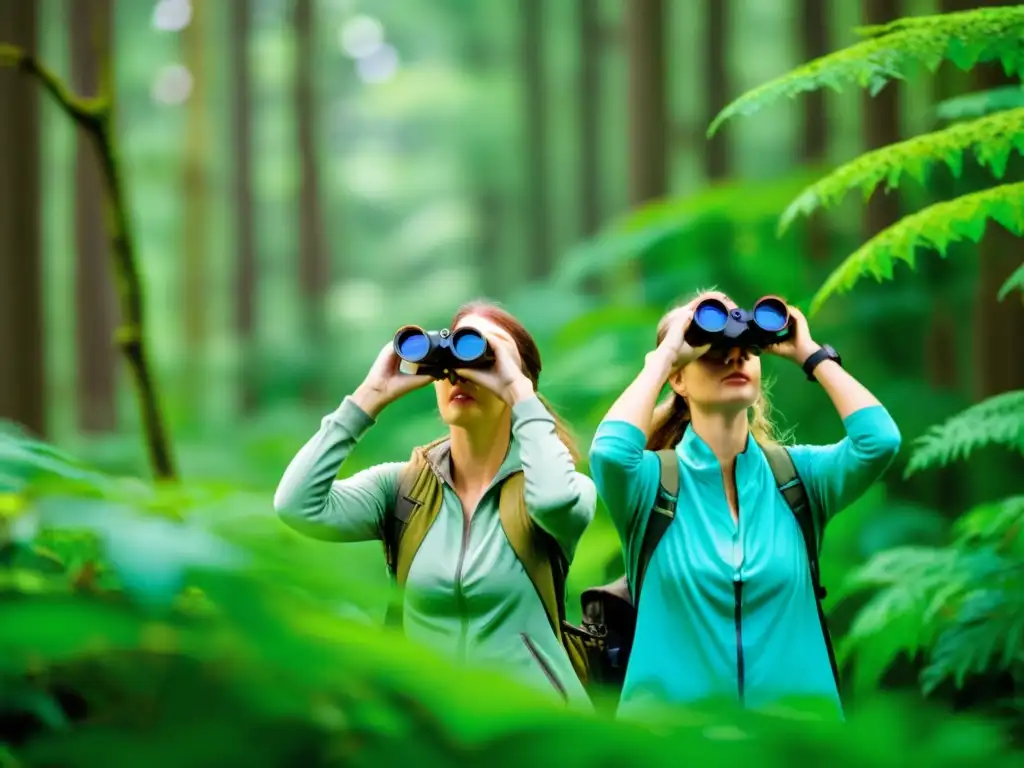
[466, 593]
[727, 608]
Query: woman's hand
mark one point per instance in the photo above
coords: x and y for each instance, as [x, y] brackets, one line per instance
[800, 345]
[385, 383]
[505, 378]
[674, 350]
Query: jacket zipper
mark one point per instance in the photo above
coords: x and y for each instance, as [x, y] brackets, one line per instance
[737, 591]
[543, 666]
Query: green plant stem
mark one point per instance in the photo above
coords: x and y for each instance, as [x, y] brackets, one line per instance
[95, 117]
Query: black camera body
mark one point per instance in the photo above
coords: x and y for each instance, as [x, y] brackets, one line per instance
[439, 353]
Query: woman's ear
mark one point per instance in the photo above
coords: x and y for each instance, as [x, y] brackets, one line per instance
[677, 381]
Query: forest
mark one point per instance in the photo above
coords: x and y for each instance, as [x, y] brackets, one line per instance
[214, 213]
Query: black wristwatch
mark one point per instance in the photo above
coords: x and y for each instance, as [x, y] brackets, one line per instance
[824, 352]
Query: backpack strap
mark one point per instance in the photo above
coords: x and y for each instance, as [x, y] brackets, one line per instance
[416, 506]
[795, 493]
[543, 560]
[662, 512]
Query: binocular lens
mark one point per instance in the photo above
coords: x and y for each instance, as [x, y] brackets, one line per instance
[412, 344]
[771, 314]
[468, 344]
[711, 315]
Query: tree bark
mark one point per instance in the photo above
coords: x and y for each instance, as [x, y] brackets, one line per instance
[880, 121]
[716, 85]
[814, 42]
[648, 110]
[245, 246]
[95, 303]
[533, 62]
[588, 26]
[22, 339]
[314, 265]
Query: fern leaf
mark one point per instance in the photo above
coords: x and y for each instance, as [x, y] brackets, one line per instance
[1016, 280]
[999, 420]
[894, 51]
[935, 227]
[999, 523]
[980, 103]
[992, 140]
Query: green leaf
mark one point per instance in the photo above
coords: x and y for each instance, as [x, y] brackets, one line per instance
[934, 227]
[892, 52]
[1016, 280]
[992, 139]
[981, 103]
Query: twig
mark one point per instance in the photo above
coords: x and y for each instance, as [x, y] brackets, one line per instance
[95, 117]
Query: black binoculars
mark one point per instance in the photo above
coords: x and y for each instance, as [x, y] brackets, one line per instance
[713, 323]
[438, 353]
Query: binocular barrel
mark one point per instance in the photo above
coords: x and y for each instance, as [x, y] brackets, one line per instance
[713, 323]
[436, 352]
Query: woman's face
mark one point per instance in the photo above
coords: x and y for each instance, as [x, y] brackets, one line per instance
[464, 403]
[727, 380]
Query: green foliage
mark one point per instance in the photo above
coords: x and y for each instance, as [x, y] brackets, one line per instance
[963, 218]
[999, 420]
[971, 105]
[991, 139]
[1016, 280]
[896, 50]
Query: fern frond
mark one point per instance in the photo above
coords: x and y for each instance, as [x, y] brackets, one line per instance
[992, 140]
[935, 227]
[895, 50]
[1016, 280]
[999, 420]
[998, 523]
[987, 632]
[980, 103]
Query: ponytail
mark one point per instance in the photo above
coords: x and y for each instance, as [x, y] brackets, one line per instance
[562, 430]
[669, 421]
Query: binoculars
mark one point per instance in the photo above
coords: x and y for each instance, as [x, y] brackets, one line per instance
[713, 323]
[438, 353]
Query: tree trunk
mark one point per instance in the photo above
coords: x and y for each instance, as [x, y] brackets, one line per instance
[194, 258]
[95, 301]
[532, 54]
[880, 125]
[716, 85]
[814, 42]
[588, 24]
[245, 246]
[314, 264]
[22, 339]
[648, 110]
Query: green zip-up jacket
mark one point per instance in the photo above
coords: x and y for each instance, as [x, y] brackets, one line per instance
[466, 594]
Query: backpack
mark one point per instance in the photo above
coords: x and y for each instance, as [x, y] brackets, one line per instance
[417, 504]
[609, 611]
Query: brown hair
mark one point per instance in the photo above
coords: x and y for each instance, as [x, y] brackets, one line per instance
[529, 353]
[672, 415]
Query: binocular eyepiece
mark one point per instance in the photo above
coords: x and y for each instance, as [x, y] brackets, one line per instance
[713, 323]
[438, 353]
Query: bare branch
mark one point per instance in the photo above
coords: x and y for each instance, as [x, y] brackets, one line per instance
[86, 111]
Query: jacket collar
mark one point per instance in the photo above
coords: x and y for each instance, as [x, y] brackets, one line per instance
[439, 457]
[700, 461]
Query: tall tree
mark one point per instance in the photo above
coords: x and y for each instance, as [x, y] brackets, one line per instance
[22, 340]
[645, 25]
[95, 302]
[246, 275]
[814, 42]
[538, 202]
[588, 26]
[314, 263]
[196, 199]
[880, 123]
[716, 85]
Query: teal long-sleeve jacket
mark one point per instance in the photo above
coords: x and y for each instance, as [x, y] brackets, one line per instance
[727, 610]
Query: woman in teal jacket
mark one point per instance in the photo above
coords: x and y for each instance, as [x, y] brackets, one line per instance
[727, 610]
[466, 594]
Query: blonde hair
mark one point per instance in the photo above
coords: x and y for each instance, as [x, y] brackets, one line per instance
[672, 415]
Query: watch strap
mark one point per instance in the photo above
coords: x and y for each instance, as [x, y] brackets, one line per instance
[823, 353]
